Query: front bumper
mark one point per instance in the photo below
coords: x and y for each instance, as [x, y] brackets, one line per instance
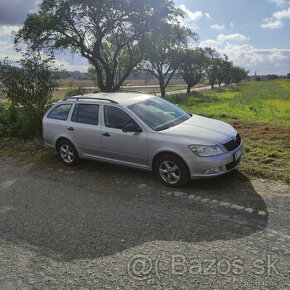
[224, 163]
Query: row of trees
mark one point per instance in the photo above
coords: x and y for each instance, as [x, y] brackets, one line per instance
[118, 37]
[197, 64]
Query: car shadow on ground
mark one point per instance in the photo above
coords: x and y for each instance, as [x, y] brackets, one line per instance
[234, 187]
[100, 211]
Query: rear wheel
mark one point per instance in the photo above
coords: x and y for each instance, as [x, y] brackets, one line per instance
[171, 170]
[68, 153]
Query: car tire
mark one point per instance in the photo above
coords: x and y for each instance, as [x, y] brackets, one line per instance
[68, 153]
[171, 170]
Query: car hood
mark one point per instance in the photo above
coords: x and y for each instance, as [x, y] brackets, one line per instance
[204, 129]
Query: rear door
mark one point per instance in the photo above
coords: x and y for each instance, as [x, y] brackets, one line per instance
[122, 146]
[85, 129]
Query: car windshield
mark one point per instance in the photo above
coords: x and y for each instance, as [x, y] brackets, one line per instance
[159, 114]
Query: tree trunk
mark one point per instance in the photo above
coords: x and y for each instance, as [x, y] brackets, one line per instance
[162, 90]
[220, 84]
[162, 87]
[212, 85]
[110, 83]
[188, 89]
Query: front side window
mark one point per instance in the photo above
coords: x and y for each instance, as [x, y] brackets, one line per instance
[159, 114]
[115, 117]
[86, 114]
[60, 112]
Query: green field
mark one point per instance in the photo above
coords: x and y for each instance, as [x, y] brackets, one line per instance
[260, 111]
[252, 102]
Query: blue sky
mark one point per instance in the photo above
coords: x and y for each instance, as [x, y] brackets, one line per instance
[253, 33]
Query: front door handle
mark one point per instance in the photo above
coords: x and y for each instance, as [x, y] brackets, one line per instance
[106, 134]
[70, 129]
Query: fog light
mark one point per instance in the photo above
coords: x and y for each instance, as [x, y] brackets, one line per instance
[213, 170]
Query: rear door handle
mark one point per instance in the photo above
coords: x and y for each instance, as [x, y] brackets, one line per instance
[106, 134]
[70, 129]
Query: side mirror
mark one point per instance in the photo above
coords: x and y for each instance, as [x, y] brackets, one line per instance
[132, 128]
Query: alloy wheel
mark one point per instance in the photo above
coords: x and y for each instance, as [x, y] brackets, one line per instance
[67, 153]
[169, 172]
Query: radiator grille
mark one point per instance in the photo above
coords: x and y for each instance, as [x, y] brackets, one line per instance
[233, 144]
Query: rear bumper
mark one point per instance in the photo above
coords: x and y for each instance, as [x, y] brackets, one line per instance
[221, 164]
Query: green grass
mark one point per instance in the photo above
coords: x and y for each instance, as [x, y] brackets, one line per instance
[251, 102]
[266, 157]
[260, 111]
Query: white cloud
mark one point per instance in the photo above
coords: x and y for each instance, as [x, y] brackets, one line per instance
[235, 36]
[265, 61]
[207, 15]
[232, 24]
[6, 30]
[282, 14]
[6, 42]
[280, 2]
[217, 26]
[272, 24]
[191, 17]
[7, 49]
[223, 40]
[275, 21]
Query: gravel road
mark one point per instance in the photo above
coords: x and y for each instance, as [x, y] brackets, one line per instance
[98, 226]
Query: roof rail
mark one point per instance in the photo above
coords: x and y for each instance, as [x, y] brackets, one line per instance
[90, 98]
[130, 91]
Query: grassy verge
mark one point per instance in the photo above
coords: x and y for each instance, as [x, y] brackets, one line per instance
[253, 102]
[27, 150]
[267, 150]
[260, 111]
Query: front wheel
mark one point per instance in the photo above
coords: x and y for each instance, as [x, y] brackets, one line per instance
[68, 153]
[171, 170]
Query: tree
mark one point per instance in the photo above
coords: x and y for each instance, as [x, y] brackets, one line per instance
[192, 66]
[288, 76]
[224, 71]
[272, 77]
[228, 69]
[28, 84]
[162, 51]
[220, 71]
[239, 74]
[212, 65]
[109, 34]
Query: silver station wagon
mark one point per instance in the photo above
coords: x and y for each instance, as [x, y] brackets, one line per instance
[142, 131]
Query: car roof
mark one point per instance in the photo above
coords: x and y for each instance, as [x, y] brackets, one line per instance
[125, 99]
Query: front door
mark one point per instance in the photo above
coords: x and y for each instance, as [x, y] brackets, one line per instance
[122, 146]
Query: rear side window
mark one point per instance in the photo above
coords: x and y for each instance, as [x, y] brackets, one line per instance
[86, 114]
[60, 112]
[115, 117]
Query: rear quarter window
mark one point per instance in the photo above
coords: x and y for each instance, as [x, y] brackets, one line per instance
[60, 112]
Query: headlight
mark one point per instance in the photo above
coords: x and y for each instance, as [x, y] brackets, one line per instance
[206, 151]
